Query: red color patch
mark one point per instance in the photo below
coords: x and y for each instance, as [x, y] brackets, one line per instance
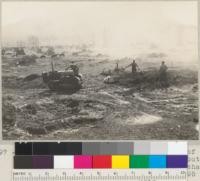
[102, 161]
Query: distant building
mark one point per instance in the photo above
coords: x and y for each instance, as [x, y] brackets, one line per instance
[20, 44]
[33, 42]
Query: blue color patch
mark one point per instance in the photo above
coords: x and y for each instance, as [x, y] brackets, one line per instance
[157, 161]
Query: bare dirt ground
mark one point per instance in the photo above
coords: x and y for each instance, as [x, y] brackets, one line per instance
[129, 109]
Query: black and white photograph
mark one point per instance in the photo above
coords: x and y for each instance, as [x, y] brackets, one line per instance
[83, 70]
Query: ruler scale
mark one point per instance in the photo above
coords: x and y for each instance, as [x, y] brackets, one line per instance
[100, 174]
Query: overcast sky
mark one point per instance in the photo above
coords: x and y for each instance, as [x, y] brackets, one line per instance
[184, 12]
[106, 24]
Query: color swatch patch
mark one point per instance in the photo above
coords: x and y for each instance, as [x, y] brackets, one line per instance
[120, 161]
[157, 161]
[82, 161]
[102, 161]
[42, 162]
[63, 161]
[139, 161]
[177, 161]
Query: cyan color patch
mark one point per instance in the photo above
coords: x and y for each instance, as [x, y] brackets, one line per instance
[157, 161]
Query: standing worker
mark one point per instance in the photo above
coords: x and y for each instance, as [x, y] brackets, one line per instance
[117, 67]
[134, 67]
[163, 75]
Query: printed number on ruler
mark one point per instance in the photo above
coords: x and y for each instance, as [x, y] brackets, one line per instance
[101, 175]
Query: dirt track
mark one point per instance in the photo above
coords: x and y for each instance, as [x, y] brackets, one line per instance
[98, 111]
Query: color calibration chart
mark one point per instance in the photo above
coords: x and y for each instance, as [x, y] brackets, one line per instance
[63, 161]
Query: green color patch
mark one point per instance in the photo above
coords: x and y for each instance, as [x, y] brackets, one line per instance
[139, 161]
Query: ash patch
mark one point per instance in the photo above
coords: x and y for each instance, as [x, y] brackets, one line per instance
[60, 112]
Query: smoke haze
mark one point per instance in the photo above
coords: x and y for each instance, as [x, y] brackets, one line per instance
[116, 28]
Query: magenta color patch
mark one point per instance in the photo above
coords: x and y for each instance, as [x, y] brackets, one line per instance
[81, 161]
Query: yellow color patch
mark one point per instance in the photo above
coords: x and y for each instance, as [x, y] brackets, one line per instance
[120, 161]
